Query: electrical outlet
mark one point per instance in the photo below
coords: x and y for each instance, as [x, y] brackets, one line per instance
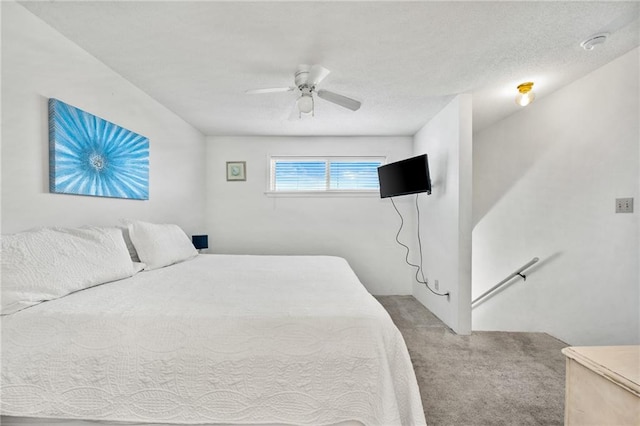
[624, 205]
[436, 284]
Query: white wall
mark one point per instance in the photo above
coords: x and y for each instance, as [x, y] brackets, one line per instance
[445, 215]
[545, 181]
[362, 229]
[39, 63]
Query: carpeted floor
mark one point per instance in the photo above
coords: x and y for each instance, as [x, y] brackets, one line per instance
[487, 378]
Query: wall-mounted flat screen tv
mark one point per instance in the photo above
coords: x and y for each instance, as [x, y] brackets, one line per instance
[404, 177]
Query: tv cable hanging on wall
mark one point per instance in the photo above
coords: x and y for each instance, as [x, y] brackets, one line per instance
[419, 268]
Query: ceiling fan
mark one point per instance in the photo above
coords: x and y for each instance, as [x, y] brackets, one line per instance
[306, 81]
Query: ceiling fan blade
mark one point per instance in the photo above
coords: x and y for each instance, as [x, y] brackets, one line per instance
[317, 73]
[343, 101]
[270, 90]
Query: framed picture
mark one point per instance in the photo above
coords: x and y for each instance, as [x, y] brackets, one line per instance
[91, 156]
[236, 170]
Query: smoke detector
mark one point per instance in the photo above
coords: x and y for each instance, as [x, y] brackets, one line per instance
[594, 40]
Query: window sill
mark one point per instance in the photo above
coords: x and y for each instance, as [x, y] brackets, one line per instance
[320, 194]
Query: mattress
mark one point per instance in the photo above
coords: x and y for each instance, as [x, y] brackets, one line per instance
[219, 339]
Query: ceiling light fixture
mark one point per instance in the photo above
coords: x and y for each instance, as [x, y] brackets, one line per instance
[594, 40]
[525, 95]
[305, 103]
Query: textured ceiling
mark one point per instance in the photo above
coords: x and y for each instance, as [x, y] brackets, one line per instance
[403, 60]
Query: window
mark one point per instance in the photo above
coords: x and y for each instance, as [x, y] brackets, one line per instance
[325, 174]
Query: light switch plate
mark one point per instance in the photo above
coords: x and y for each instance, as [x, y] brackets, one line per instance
[624, 205]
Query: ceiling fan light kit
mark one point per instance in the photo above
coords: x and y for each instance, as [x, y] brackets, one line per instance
[306, 80]
[305, 103]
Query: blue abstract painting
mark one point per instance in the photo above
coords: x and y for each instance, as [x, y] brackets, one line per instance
[92, 156]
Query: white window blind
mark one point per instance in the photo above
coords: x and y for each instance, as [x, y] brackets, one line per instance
[325, 174]
[299, 175]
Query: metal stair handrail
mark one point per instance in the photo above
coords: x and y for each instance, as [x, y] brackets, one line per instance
[518, 272]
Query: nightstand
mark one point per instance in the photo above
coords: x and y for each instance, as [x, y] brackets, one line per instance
[602, 385]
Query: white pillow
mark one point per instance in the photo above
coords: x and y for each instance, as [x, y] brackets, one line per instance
[160, 245]
[48, 263]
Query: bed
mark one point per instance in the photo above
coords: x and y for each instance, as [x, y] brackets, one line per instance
[211, 339]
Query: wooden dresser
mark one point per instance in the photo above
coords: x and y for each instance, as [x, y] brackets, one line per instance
[602, 385]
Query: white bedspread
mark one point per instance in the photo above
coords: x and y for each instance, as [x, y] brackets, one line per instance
[217, 339]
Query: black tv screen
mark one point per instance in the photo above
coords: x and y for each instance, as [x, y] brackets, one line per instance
[404, 177]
